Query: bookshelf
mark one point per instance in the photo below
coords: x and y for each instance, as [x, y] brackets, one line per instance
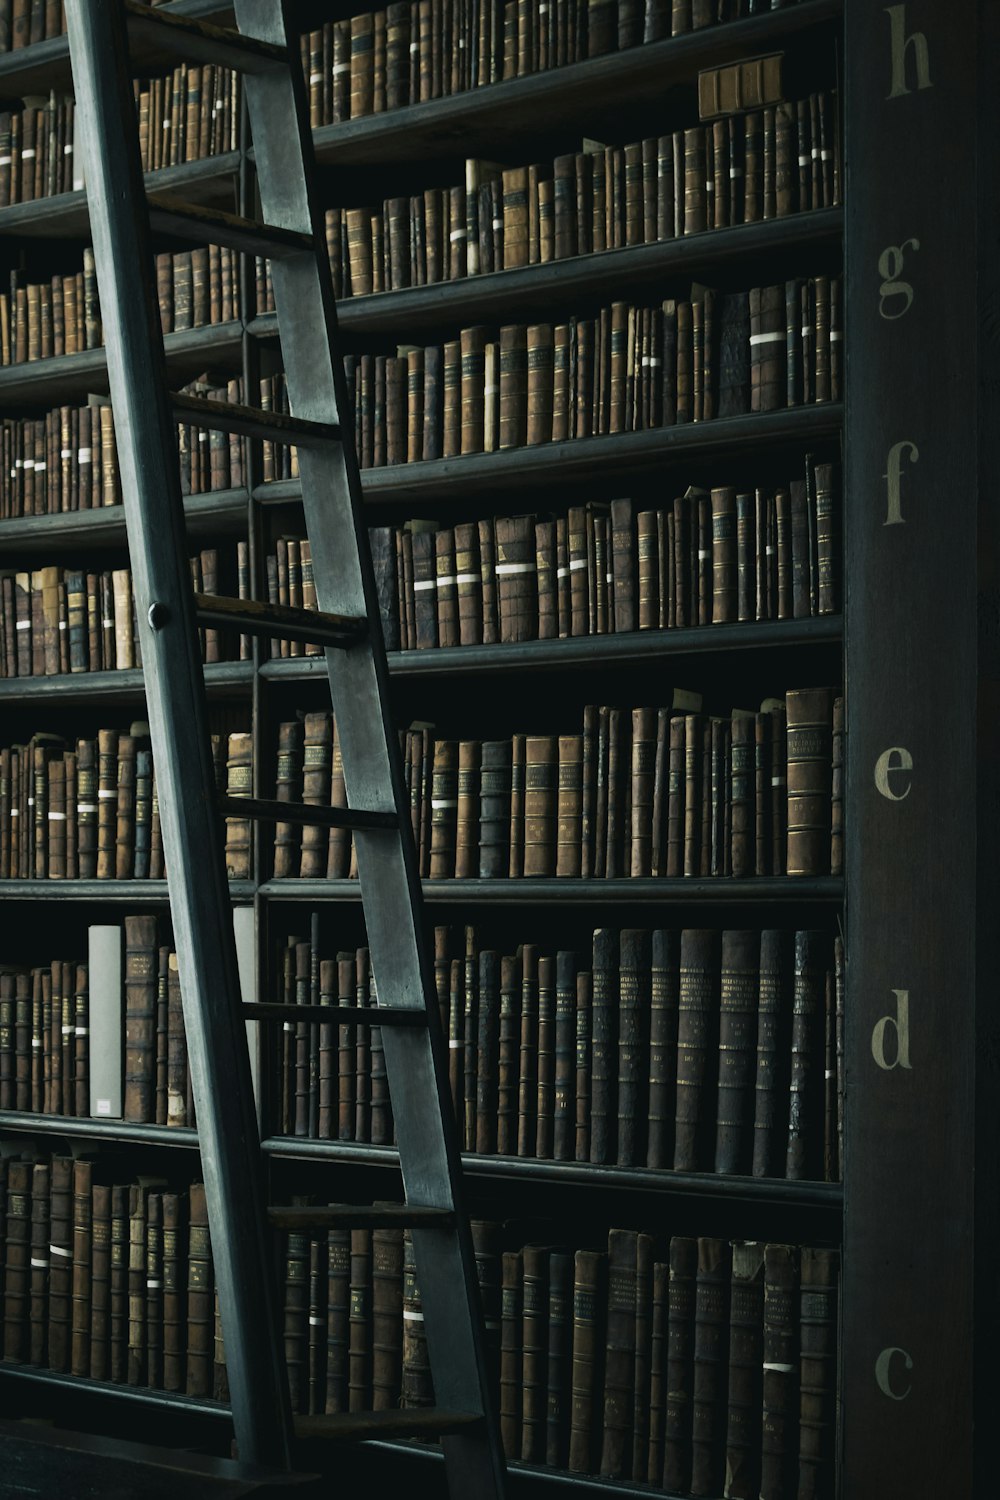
[887, 1407]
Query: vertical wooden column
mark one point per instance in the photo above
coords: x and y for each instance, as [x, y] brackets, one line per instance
[921, 487]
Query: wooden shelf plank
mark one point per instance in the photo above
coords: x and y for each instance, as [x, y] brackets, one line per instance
[824, 890]
[222, 679]
[173, 1400]
[217, 511]
[84, 1128]
[116, 892]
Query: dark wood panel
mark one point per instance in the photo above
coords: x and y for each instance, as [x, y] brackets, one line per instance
[68, 376]
[922, 919]
[222, 679]
[65, 216]
[218, 512]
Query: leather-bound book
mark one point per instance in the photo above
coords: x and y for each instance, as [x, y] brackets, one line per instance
[643, 767]
[487, 571]
[680, 1365]
[468, 810]
[140, 1017]
[773, 1025]
[100, 1283]
[633, 1044]
[767, 348]
[643, 1354]
[136, 1365]
[837, 791]
[79, 1362]
[801, 529]
[515, 217]
[559, 1362]
[338, 1253]
[143, 811]
[724, 601]
[316, 765]
[545, 1060]
[538, 428]
[177, 1062]
[468, 584]
[517, 787]
[444, 809]
[487, 1052]
[198, 1381]
[60, 1258]
[288, 784]
[527, 1089]
[743, 797]
[540, 805]
[589, 1282]
[17, 1268]
[239, 783]
[494, 809]
[604, 1047]
[416, 430]
[452, 399]
[154, 1289]
[711, 1356]
[517, 578]
[694, 180]
[736, 1050]
[360, 1322]
[619, 1368]
[340, 850]
[511, 1355]
[746, 1345]
[780, 1410]
[173, 1207]
[584, 1005]
[827, 540]
[472, 357]
[805, 1117]
[619, 789]
[809, 771]
[569, 807]
[564, 1115]
[387, 1308]
[546, 564]
[470, 1040]
[663, 1018]
[118, 1286]
[696, 1032]
[818, 1373]
[534, 1356]
[513, 386]
[416, 1381]
[38, 1255]
[650, 582]
[364, 1043]
[508, 1061]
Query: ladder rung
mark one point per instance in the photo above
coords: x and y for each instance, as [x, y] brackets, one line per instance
[156, 35]
[339, 1015]
[358, 1426]
[279, 621]
[213, 226]
[350, 1216]
[251, 422]
[304, 812]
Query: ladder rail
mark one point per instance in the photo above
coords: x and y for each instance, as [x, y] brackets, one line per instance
[429, 1155]
[178, 720]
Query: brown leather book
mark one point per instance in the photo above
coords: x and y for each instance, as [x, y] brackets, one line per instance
[511, 1357]
[513, 386]
[539, 345]
[584, 1007]
[444, 809]
[494, 809]
[425, 613]
[569, 805]
[818, 1372]
[809, 772]
[805, 1119]
[619, 1368]
[534, 1345]
[198, 1381]
[697, 1020]
[118, 1287]
[540, 805]
[316, 766]
[487, 571]
[472, 353]
[468, 810]
[589, 1281]
[100, 1282]
[416, 436]
[17, 1267]
[737, 1046]
[173, 1207]
[633, 1044]
[445, 592]
[517, 791]
[417, 1383]
[468, 584]
[140, 1017]
[38, 1276]
[643, 768]
[387, 1308]
[508, 1070]
[604, 1047]
[743, 798]
[360, 1340]
[545, 1060]
[288, 785]
[451, 400]
[527, 1081]
[709, 1390]
[779, 1426]
[239, 783]
[546, 565]
[767, 348]
[82, 1249]
[59, 1252]
[653, 1470]
[154, 1289]
[487, 1051]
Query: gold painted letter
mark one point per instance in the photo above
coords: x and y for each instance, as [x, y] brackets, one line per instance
[883, 1372]
[890, 264]
[893, 479]
[899, 45]
[900, 1041]
[888, 764]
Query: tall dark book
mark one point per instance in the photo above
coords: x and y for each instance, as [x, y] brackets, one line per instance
[140, 1018]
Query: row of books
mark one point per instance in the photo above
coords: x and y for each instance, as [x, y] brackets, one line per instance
[89, 811]
[58, 620]
[45, 1038]
[25, 22]
[693, 1050]
[39, 320]
[671, 1361]
[639, 792]
[107, 1280]
[735, 171]
[628, 369]
[415, 50]
[67, 460]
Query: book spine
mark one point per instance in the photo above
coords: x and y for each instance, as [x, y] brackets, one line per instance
[737, 1037]
[746, 1348]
